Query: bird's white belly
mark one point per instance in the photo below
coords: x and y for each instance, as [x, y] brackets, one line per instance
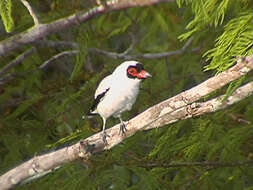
[117, 101]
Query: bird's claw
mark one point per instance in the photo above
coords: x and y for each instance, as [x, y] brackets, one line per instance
[122, 129]
[104, 138]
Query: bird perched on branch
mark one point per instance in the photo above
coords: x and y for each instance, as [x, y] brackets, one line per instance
[117, 93]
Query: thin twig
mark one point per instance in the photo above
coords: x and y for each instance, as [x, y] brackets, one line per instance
[127, 56]
[202, 164]
[238, 119]
[32, 12]
[19, 59]
[132, 45]
[49, 61]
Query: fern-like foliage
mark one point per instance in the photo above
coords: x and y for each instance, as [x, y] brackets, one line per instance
[207, 12]
[81, 57]
[236, 40]
[6, 14]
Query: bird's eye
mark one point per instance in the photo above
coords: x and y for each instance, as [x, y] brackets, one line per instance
[132, 70]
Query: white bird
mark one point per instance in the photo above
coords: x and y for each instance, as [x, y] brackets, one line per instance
[117, 92]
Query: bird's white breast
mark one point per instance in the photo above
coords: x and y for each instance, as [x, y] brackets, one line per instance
[121, 96]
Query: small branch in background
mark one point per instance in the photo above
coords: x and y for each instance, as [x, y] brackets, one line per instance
[31, 11]
[187, 44]
[201, 164]
[169, 53]
[57, 56]
[63, 44]
[19, 59]
[132, 45]
[125, 55]
[239, 119]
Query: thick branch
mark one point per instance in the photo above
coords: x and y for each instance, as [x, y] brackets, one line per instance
[168, 111]
[57, 44]
[197, 109]
[42, 30]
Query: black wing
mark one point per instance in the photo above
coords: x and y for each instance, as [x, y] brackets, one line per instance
[96, 102]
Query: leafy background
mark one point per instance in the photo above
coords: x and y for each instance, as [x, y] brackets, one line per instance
[41, 110]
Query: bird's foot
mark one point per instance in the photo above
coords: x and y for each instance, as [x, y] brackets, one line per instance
[104, 137]
[123, 128]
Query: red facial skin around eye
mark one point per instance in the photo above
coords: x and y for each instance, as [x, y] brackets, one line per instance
[133, 72]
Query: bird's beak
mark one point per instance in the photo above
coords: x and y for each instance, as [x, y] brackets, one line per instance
[143, 75]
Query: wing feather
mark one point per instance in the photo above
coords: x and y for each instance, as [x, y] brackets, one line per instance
[100, 93]
[103, 85]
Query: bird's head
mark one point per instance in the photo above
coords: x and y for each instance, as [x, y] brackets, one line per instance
[133, 70]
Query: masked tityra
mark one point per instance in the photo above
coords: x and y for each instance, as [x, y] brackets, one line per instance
[117, 92]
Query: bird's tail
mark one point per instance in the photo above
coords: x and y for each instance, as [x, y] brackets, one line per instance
[89, 114]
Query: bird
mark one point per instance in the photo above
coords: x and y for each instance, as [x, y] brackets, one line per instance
[117, 93]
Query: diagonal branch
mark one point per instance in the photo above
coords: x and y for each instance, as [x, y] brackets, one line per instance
[31, 11]
[19, 59]
[197, 109]
[42, 30]
[181, 106]
[57, 56]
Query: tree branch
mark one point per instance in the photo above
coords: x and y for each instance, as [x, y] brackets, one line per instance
[57, 44]
[42, 30]
[125, 55]
[63, 44]
[31, 11]
[168, 111]
[197, 109]
[46, 63]
[19, 59]
[202, 164]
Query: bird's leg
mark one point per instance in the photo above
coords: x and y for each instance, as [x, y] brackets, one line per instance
[104, 133]
[123, 128]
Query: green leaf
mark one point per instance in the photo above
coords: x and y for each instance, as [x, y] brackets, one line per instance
[81, 57]
[6, 14]
[236, 40]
